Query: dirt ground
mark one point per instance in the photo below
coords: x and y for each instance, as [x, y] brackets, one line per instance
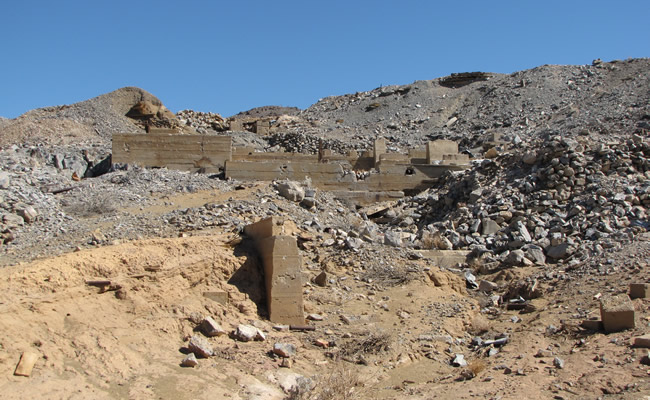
[127, 340]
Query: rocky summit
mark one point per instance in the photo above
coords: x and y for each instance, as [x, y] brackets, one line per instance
[520, 270]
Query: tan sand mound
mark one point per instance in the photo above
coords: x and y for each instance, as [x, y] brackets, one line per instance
[116, 343]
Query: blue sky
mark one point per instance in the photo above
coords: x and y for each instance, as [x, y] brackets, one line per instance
[230, 56]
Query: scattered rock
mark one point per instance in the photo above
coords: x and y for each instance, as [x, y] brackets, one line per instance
[200, 346]
[321, 279]
[190, 361]
[641, 341]
[291, 191]
[459, 361]
[247, 333]
[284, 349]
[210, 327]
[487, 286]
[314, 317]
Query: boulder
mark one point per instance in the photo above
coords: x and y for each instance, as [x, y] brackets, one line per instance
[291, 191]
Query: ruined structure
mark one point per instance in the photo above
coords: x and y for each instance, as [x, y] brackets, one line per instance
[371, 176]
[282, 277]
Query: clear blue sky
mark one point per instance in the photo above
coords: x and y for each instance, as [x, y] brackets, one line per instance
[230, 56]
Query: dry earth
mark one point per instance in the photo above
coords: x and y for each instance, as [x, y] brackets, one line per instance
[392, 321]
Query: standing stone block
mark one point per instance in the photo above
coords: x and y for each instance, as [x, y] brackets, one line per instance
[617, 313]
[639, 290]
[262, 127]
[379, 148]
[236, 125]
[282, 276]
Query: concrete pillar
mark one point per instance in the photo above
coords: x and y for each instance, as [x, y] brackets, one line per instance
[236, 125]
[262, 127]
[281, 261]
[379, 148]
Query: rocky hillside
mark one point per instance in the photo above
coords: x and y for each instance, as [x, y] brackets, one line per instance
[553, 210]
[93, 120]
[599, 100]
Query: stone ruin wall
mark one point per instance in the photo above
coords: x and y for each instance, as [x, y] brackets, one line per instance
[384, 175]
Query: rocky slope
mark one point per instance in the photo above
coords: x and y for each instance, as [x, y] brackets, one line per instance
[554, 210]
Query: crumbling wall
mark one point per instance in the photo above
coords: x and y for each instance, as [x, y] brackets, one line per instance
[174, 151]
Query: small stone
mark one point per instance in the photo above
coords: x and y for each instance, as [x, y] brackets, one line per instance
[246, 333]
[284, 349]
[281, 328]
[321, 279]
[286, 363]
[515, 258]
[190, 361]
[558, 362]
[322, 343]
[459, 361]
[29, 214]
[308, 202]
[530, 158]
[641, 341]
[487, 286]
[5, 180]
[353, 243]
[645, 360]
[314, 317]
[393, 239]
[535, 254]
[491, 153]
[490, 227]
[559, 251]
[13, 220]
[543, 353]
[523, 231]
[592, 324]
[210, 327]
[26, 364]
[200, 346]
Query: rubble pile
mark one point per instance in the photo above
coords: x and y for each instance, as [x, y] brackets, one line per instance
[202, 122]
[43, 199]
[559, 201]
[292, 142]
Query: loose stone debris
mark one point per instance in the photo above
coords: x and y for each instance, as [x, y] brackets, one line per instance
[524, 262]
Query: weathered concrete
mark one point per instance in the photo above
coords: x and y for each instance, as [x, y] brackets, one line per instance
[362, 197]
[437, 149]
[379, 148]
[283, 279]
[175, 151]
[390, 173]
[617, 313]
[262, 127]
[639, 290]
[292, 170]
[236, 125]
[445, 258]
